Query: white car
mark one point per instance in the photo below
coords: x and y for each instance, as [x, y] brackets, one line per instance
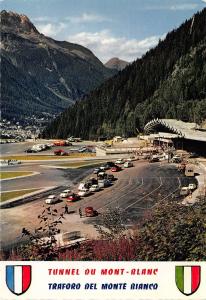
[184, 191]
[101, 174]
[119, 161]
[84, 193]
[51, 199]
[128, 164]
[82, 186]
[192, 186]
[94, 188]
[14, 162]
[131, 158]
[65, 193]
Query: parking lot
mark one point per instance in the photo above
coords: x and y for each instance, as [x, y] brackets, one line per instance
[136, 189]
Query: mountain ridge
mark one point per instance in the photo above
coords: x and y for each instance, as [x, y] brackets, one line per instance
[61, 71]
[148, 88]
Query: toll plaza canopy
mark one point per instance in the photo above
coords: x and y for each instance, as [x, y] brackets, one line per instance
[185, 130]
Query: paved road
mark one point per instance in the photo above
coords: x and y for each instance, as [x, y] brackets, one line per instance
[19, 148]
[136, 189]
[47, 177]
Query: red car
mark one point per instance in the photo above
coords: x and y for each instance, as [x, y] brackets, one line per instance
[73, 197]
[116, 169]
[60, 152]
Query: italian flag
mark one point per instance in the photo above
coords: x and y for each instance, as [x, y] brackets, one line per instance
[187, 279]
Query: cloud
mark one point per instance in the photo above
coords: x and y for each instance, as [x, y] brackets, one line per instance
[86, 18]
[105, 45]
[204, 1]
[174, 7]
[51, 29]
[41, 19]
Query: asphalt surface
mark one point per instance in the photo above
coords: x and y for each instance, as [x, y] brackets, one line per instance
[19, 148]
[136, 189]
[48, 177]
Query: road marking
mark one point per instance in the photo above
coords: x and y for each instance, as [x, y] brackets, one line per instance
[180, 183]
[163, 197]
[145, 195]
[117, 199]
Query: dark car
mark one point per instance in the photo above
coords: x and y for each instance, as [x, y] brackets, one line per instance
[110, 164]
[110, 177]
[193, 155]
[92, 181]
[105, 167]
[29, 150]
[97, 170]
[101, 175]
[154, 159]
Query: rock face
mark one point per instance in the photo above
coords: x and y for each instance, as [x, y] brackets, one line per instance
[40, 74]
[116, 64]
[168, 82]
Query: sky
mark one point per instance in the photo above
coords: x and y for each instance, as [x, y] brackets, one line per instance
[110, 28]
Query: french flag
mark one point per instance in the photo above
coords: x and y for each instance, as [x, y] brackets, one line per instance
[18, 278]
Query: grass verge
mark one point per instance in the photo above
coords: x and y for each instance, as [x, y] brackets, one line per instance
[7, 175]
[13, 194]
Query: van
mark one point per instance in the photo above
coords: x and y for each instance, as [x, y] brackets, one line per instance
[189, 170]
[184, 191]
[104, 183]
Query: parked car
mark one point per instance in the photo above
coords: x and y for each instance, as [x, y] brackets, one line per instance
[94, 188]
[176, 159]
[128, 164]
[146, 156]
[68, 143]
[60, 152]
[110, 164]
[192, 186]
[131, 158]
[101, 174]
[82, 186]
[154, 159]
[29, 150]
[51, 199]
[82, 149]
[193, 155]
[104, 183]
[84, 193]
[119, 161]
[110, 177]
[184, 191]
[92, 181]
[14, 162]
[116, 169]
[73, 197]
[90, 212]
[65, 193]
[97, 170]
[105, 167]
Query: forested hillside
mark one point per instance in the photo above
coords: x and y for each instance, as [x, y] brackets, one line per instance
[169, 81]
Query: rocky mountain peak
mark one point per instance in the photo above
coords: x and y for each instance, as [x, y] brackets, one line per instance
[17, 22]
[116, 63]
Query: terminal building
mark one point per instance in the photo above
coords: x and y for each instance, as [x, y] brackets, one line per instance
[183, 135]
